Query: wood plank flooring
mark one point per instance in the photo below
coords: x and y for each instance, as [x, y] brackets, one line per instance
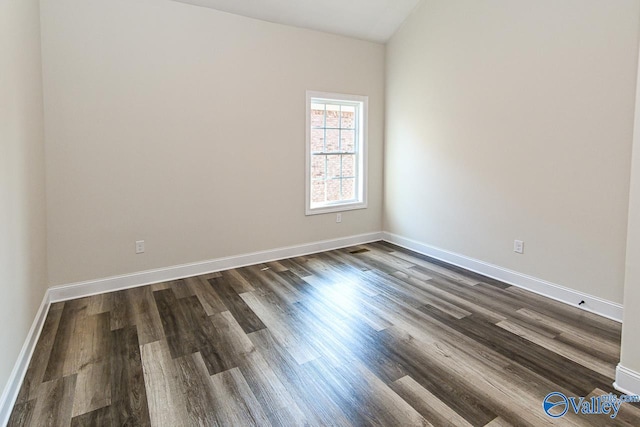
[367, 335]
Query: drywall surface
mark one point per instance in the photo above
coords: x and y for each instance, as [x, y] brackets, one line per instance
[513, 120]
[185, 127]
[22, 193]
[630, 351]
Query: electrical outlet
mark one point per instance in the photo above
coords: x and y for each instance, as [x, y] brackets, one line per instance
[339, 218]
[139, 246]
[518, 246]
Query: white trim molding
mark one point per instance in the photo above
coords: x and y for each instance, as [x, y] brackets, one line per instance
[12, 388]
[627, 381]
[142, 278]
[593, 304]
[361, 105]
[110, 284]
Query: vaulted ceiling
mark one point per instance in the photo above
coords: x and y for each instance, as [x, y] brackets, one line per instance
[374, 20]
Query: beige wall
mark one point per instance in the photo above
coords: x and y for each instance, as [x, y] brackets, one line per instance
[513, 120]
[630, 352]
[22, 199]
[504, 120]
[184, 126]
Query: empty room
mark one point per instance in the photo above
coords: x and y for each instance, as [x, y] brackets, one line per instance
[319, 213]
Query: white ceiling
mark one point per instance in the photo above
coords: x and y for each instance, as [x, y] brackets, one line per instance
[374, 20]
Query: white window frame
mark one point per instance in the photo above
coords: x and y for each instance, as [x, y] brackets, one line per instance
[361, 154]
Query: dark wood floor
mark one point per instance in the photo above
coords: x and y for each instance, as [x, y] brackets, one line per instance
[368, 335]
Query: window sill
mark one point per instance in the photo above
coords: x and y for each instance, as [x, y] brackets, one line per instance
[335, 208]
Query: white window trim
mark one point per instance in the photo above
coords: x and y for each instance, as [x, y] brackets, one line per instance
[363, 153]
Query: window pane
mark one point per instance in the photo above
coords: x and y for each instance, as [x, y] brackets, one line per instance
[335, 144]
[348, 165]
[333, 190]
[348, 117]
[333, 140]
[317, 140]
[317, 192]
[317, 115]
[317, 167]
[348, 189]
[333, 116]
[333, 166]
[348, 140]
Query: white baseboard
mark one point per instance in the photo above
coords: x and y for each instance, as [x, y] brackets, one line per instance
[627, 381]
[572, 297]
[12, 388]
[110, 284]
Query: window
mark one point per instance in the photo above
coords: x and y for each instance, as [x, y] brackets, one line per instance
[336, 152]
